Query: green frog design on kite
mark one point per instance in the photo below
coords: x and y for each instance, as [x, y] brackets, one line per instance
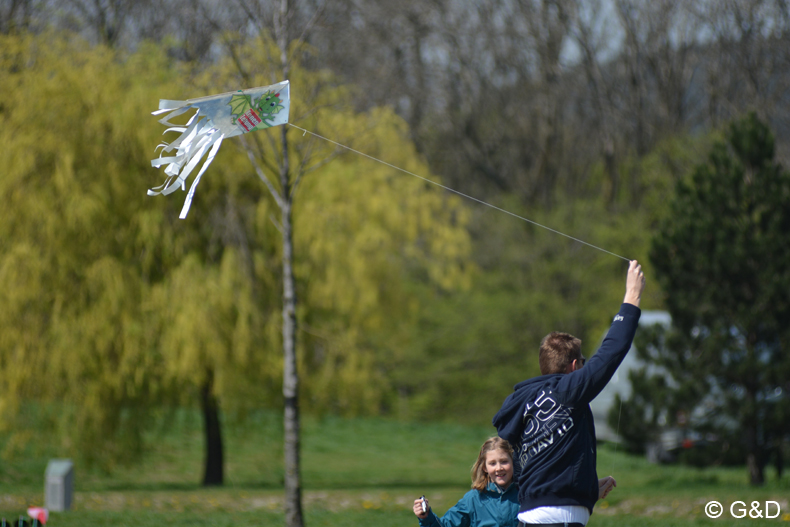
[254, 114]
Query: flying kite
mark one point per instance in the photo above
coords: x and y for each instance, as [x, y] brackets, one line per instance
[216, 117]
[235, 113]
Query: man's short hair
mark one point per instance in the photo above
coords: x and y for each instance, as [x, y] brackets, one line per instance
[557, 351]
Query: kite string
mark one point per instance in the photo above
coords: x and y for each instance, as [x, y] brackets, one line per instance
[304, 131]
[457, 192]
[617, 433]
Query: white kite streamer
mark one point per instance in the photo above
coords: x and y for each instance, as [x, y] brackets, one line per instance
[216, 117]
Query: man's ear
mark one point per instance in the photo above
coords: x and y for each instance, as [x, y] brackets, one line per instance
[573, 366]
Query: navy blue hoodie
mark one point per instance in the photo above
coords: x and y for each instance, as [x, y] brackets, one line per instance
[548, 421]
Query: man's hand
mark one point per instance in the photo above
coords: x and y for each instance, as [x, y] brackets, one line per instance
[634, 284]
[605, 485]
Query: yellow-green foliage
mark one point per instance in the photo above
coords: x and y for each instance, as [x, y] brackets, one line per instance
[74, 141]
[111, 307]
[364, 230]
[361, 230]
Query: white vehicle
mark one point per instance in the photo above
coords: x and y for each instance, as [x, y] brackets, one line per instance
[670, 439]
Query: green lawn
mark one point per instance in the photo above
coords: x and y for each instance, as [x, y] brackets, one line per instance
[355, 472]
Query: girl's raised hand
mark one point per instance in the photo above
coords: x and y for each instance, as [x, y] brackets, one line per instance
[419, 510]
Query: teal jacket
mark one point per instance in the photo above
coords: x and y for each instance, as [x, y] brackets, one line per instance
[492, 508]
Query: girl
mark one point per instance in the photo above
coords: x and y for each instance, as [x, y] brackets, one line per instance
[493, 500]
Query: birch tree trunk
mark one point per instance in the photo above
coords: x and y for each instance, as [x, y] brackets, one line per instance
[293, 485]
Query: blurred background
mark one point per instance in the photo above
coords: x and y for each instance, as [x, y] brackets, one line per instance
[657, 130]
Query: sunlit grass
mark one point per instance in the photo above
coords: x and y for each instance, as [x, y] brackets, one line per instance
[355, 472]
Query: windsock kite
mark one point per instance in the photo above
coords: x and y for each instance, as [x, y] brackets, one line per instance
[216, 117]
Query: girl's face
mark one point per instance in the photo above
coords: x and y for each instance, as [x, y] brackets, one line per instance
[499, 467]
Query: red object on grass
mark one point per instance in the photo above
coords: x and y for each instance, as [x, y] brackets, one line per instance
[39, 513]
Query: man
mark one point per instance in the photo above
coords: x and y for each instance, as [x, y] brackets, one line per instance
[548, 420]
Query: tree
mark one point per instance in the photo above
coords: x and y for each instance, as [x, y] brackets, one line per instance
[105, 290]
[72, 321]
[720, 256]
[748, 53]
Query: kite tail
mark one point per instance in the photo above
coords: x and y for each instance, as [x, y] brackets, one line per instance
[197, 137]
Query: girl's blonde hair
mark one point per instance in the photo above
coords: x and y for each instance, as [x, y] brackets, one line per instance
[480, 477]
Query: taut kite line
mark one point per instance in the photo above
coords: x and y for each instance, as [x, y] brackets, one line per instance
[235, 113]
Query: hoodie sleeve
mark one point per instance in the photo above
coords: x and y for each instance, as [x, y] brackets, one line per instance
[583, 385]
[456, 516]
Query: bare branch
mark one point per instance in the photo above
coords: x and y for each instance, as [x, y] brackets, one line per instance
[261, 174]
[261, 151]
[276, 223]
[328, 159]
[304, 171]
[273, 145]
[260, 25]
[309, 25]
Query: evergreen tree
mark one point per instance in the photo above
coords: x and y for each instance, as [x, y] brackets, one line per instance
[721, 258]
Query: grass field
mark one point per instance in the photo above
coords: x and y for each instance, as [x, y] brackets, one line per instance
[355, 472]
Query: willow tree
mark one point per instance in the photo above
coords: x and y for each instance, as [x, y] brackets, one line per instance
[74, 144]
[123, 308]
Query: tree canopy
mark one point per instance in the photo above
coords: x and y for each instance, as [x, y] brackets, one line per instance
[112, 307]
